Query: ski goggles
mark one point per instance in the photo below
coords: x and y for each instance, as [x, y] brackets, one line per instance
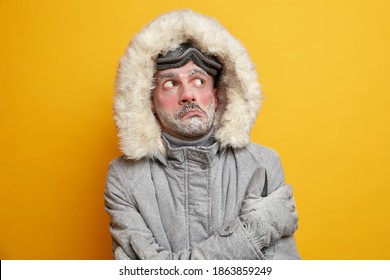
[184, 53]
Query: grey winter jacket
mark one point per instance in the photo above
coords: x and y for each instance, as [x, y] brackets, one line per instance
[186, 205]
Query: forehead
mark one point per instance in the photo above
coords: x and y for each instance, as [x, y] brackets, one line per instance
[188, 69]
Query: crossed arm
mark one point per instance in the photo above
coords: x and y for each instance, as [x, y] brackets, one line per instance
[263, 222]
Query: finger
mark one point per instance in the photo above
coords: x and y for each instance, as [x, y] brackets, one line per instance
[293, 205]
[296, 225]
[295, 215]
[289, 191]
[283, 192]
[291, 226]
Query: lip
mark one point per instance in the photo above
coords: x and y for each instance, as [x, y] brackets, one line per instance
[192, 113]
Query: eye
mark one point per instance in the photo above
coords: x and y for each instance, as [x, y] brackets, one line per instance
[198, 82]
[169, 84]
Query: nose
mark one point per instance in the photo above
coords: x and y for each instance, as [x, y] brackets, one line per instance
[187, 95]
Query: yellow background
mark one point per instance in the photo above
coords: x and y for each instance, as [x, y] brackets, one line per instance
[324, 67]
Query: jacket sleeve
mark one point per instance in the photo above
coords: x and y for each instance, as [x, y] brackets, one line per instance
[132, 239]
[285, 248]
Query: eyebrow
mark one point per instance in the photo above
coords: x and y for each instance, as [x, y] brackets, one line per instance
[173, 74]
[198, 70]
[166, 75]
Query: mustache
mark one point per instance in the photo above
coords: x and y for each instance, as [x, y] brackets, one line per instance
[188, 107]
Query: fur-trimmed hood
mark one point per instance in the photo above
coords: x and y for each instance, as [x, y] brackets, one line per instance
[239, 93]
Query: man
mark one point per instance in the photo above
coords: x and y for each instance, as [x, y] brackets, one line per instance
[190, 185]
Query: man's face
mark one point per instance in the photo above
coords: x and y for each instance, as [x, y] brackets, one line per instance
[185, 101]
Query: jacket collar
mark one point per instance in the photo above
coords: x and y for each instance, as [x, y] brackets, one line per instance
[202, 151]
[205, 141]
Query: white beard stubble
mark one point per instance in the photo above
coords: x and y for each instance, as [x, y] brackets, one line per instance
[191, 128]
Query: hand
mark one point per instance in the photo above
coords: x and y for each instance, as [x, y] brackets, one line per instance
[274, 216]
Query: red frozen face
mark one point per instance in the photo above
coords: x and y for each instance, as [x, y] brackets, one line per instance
[185, 101]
